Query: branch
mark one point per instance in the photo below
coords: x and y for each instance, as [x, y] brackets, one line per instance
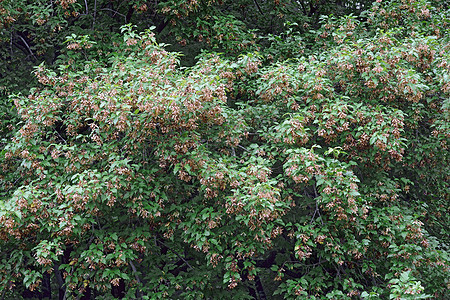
[129, 13]
[95, 14]
[133, 267]
[11, 45]
[268, 262]
[59, 279]
[86, 6]
[28, 47]
[243, 148]
[115, 12]
[259, 8]
[161, 26]
[65, 142]
[139, 294]
[303, 8]
[317, 210]
[4, 291]
[178, 255]
[304, 265]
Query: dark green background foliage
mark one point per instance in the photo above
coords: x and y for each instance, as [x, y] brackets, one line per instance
[224, 149]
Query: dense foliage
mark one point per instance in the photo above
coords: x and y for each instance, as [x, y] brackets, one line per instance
[301, 155]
